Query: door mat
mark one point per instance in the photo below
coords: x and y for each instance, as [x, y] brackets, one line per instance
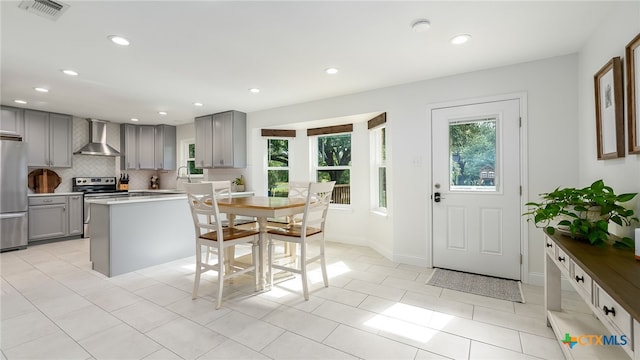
[503, 289]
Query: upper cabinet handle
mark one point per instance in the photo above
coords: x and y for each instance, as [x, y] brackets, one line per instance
[549, 245]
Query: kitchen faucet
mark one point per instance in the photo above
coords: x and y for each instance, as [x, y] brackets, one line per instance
[188, 173]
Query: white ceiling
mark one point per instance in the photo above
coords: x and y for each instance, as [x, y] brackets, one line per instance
[213, 52]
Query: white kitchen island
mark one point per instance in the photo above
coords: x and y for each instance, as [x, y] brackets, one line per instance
[129, 234]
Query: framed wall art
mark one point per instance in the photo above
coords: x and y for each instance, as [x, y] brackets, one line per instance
[609, 110]
[632, 58]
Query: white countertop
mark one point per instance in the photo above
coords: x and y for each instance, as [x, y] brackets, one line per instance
[54, 194]
[154, 198]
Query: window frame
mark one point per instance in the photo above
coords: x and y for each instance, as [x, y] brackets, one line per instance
[184, 158]
[276, 168]
[315, 168]
[378, 161]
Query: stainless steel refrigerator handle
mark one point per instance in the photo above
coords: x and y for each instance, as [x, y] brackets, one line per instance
[11, 216]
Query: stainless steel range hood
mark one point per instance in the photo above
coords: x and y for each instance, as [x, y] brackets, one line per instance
[97, 140]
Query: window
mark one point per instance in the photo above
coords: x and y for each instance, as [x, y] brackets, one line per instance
[334, 164]
[472, 154]
[379, 168]
[278, 167]
[188, 156]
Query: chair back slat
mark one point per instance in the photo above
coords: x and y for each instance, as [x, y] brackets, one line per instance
[202, 198]
[317, 205]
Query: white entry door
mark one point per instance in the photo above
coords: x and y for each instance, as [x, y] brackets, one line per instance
[476, 188]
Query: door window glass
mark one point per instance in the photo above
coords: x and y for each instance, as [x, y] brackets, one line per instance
[472, 155]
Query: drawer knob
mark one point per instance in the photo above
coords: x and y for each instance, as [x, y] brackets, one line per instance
[560, 258]
[549, 245]
[579, 278]
[607, 310]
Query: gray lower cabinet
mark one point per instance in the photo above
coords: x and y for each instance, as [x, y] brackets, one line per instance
[76, 216]
[221, 140]
[56, 216]
[12, 120]
[147, 147]
[49, 138]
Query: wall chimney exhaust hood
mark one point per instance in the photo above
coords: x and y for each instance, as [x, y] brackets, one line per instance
[97, 140]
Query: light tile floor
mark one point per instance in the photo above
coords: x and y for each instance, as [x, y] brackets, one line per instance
[55, 307]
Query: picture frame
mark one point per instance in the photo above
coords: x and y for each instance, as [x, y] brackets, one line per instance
[609, 110]
[632, 59]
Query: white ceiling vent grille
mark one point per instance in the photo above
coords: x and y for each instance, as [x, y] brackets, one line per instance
[45, 8]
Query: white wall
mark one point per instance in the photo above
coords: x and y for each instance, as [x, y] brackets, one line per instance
[405, 235]
[609, 40]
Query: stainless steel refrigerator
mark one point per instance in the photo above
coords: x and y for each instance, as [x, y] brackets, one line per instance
[13, 192]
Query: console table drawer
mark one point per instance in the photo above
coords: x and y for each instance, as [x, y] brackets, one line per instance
[550, 245]
[582, 280]
[609, 311]
[563, 260]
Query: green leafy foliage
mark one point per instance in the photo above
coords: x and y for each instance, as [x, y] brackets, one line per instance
[585, 212]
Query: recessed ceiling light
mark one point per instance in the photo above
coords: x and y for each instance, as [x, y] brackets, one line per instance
[254, 90]
[119, 40]
[331, 71]
[18, 101]
[421, 25]
[70, 72]
[134, 119]
[162, 112]
[41, 89]
[460, 39]
[198, 104]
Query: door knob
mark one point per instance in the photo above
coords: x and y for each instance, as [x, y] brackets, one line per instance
[436, 197]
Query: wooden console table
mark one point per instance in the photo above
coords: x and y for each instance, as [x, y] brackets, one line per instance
[608, 280]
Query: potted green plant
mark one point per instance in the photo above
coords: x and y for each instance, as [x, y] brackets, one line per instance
[583, 213]
[239, 183]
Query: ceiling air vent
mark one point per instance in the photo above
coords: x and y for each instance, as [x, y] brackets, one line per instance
[45, 8]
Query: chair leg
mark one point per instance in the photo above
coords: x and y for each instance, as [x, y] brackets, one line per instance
[323, 264]
[196, 281]
[220, 277]
[270, 262]
[256, 263]
[303, 268]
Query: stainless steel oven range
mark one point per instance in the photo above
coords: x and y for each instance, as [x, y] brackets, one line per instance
[95, 188]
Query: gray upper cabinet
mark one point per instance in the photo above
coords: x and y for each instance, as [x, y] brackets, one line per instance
[165, 152]
[49, 138]
[128, 147]
[147, 147]
[12, 120]
[221, 140]
[204, 141]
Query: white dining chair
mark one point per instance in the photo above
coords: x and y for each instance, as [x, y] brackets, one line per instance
[216, 239]
[296, 189]
[310, 228]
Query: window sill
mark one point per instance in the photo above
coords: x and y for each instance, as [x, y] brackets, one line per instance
[341, 208]
[380, 213]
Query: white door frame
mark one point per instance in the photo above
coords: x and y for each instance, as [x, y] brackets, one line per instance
[524, 234]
